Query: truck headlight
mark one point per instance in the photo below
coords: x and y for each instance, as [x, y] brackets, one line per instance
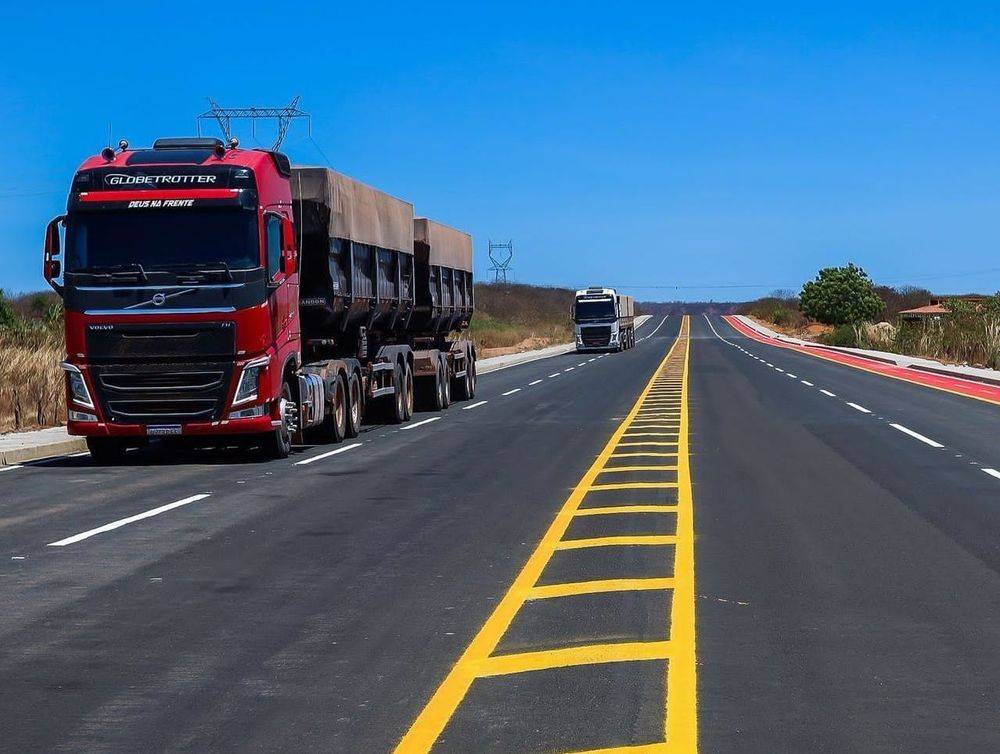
[78, 391]
[246, 390]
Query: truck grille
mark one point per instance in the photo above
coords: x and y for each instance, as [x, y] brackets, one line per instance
[162, 393]
[596, 336]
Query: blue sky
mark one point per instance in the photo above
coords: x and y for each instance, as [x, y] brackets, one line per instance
[639, 144]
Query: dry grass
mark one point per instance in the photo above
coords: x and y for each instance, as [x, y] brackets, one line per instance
[511, 316]
[31, 382]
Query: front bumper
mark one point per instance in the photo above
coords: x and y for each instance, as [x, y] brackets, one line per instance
[251, 426]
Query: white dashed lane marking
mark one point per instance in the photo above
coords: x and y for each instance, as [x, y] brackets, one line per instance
[474, 405]
[827, 392]
[511, 392]
[917, 436]
[856, 407]
[329, 453]
[131, 519]
[421, 423]
[992, 472]
[534, 383]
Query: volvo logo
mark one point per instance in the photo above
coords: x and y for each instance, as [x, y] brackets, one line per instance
[159, 299]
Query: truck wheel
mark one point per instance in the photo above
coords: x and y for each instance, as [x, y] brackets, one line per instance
[396, 405]
[106, 451]
[353, 426]
[335, 422]
[277, 443]
[440, 380]
[470, 374]
[408, 392]
[465, 387]
[445, 385]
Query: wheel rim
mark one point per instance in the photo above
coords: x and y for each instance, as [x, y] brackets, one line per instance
[338, 410]
[283, 431]
[356, 404]
[409, 392]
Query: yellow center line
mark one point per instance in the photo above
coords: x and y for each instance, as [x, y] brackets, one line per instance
[622, 469]
[435, 715]
[629, 540]
[645, 442]
[682, 675]
[638, 454]
[572, 589]
[594, 654]
[608, 510]
[635, 486]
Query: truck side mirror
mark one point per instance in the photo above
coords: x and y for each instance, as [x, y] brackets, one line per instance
[51, 268]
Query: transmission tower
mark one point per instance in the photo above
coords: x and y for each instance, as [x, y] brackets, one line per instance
[283, 116]
[501, 255]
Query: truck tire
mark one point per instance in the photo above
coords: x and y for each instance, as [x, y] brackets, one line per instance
[354, 406]
[106, 451]
[334, 427]
[396, 403]
[440, 381]
[465, 387]
[445, 384]
[408, 397]
[277, 443]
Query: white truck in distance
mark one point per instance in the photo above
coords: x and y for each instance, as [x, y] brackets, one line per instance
[604, 321]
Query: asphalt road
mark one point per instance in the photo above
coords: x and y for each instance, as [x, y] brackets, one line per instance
[845, 572]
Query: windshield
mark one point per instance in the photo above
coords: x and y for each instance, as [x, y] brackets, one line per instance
[97, 241]
[595, 309]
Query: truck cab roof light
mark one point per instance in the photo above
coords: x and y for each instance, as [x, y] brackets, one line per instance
[187, 142]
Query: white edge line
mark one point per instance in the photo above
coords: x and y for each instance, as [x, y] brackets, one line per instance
[329, 453]
[536, 382]
[414, 425]
[131, 519]
[856, 407]
[11, 468]
[917, 436]
[474, 405]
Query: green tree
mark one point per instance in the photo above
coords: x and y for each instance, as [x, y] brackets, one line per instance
[841, 296]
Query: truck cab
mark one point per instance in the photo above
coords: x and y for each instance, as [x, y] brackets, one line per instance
[602, 320]
[179, 280]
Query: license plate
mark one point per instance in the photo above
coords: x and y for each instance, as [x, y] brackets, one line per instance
[164, 429]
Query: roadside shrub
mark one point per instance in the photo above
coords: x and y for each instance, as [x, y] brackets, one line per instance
[843, 335]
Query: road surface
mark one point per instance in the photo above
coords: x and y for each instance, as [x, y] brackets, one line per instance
[811, 564]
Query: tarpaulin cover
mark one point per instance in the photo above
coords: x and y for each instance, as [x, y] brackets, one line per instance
[626, 306]
[358, 212]
[448, 247]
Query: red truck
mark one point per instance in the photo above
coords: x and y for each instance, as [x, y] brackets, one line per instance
[221, 294]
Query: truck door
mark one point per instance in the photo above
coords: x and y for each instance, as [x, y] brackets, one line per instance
[280, 305]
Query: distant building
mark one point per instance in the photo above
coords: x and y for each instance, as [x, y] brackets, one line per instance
[936, 309]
